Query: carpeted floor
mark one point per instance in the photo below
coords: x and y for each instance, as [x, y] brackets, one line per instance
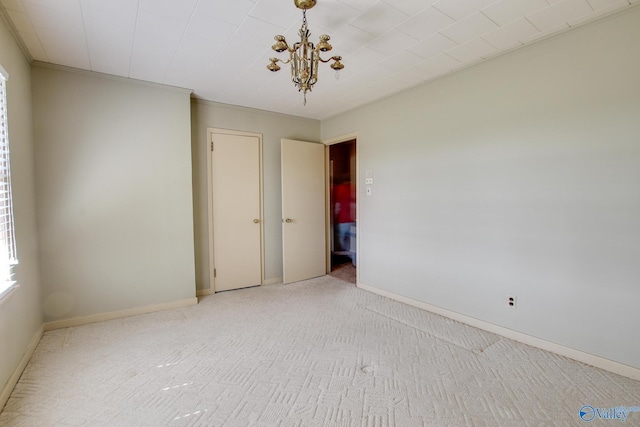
[345, 272]
[313, 353]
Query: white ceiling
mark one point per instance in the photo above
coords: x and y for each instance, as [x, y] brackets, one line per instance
[220, 48]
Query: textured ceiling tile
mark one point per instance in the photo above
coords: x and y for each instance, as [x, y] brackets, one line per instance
[432, 46]
[328, 17]
[195, 52]
[257, 31]
[255, 78]
[392, 42]
[281, 13]
[109, 40]
[366, 56]
[439, 64]
[178, 10]
[186, 71]
[611, 6]
[378, 72]
[469, 28]
[360, 5]
[458, 9]
[472, 51]
[410, 7]
[67, 18]
[560, 13]
[111, 60]
[402, 60]
[379, 19]
[21, 21]
[32, 42]
[392, 85]
[426, 23]
[105, 24]
[216, 31]
[510, 35]
[64, 48]
[542, 34]
[157, 33]
[222, 46]
[389, 87]
[507, 11]
[607, 4]
[233, 12]
[350, 38]
[413, 75]
[120, 6]
[149, 66]
[238, 51]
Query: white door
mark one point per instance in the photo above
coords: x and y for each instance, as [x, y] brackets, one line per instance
[303, 210]
[236, 211]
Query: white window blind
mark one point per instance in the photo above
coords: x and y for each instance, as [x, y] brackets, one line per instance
[7, 235]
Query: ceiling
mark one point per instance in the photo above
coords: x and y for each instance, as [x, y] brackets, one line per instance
[220, 48]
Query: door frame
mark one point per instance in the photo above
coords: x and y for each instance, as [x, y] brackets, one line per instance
[210, 133]
[332, 141]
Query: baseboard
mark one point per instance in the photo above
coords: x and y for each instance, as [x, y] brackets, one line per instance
[100, 317]
[205, 292]
[13, 379]
[580, 356]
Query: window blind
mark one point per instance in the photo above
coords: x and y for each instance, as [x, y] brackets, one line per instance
[7, 235]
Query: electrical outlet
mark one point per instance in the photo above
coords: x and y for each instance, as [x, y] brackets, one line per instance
[512, 301]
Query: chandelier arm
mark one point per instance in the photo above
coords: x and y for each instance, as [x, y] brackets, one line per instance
[333, 58]
[293, 48]
[284, 61]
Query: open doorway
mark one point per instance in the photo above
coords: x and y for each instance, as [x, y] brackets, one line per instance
[342, 204]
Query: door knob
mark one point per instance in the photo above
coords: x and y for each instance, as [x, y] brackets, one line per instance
[288, 220]
[256, 221]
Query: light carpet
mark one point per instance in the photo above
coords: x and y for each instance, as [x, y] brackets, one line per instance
[313, 353]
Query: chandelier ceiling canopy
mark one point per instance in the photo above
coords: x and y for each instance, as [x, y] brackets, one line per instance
[304, 56]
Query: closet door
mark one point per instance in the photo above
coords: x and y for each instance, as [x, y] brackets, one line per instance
[303, 210]
[236, 210]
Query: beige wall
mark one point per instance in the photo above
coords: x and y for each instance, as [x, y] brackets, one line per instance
[273, 127]
[20, 312]
[520, 175]
[115, 218]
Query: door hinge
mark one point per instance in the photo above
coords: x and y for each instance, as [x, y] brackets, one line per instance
[211, 145]
[215, 272]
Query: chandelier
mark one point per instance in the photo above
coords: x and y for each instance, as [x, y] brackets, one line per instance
[304, 57]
